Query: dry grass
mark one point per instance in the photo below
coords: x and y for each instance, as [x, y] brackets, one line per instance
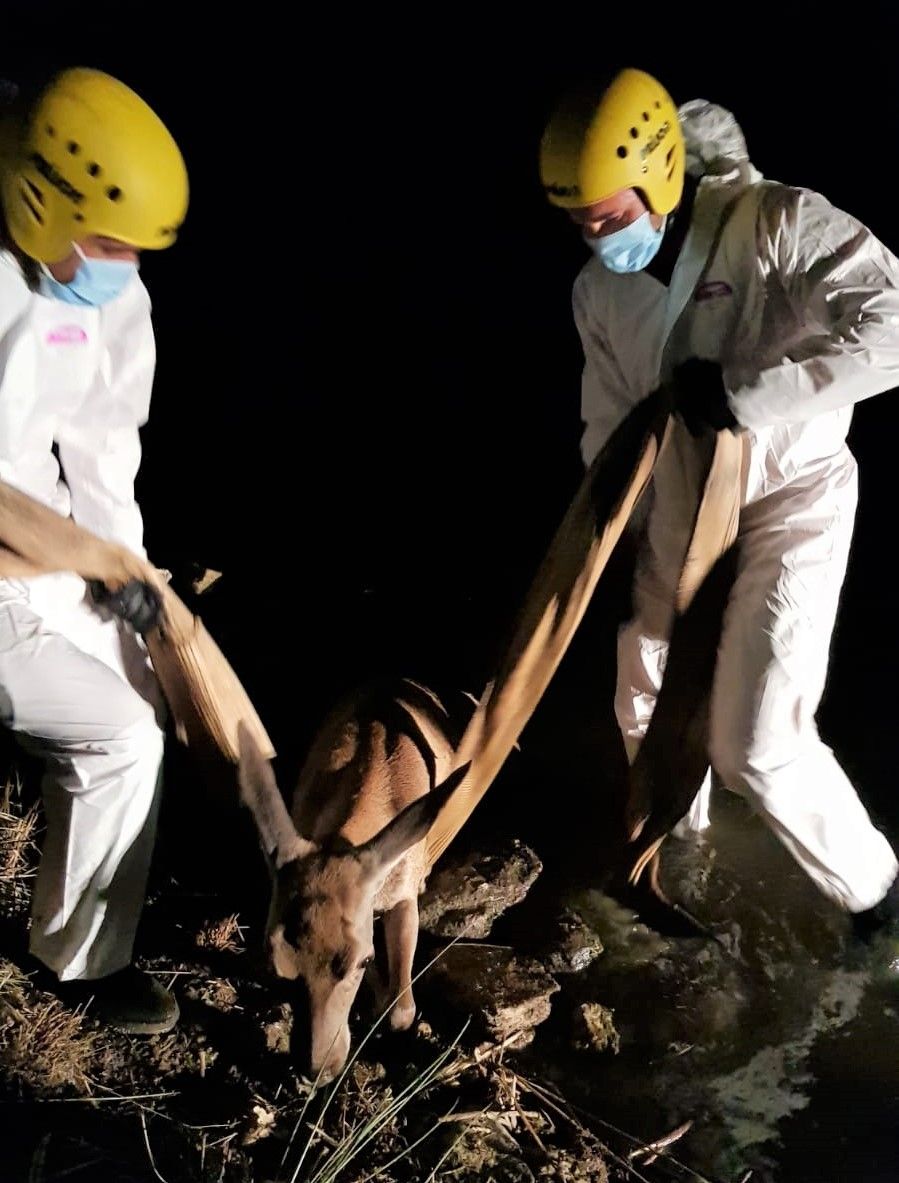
[425, 1131]
[42, 1044]
[18, 850]
[222, 936]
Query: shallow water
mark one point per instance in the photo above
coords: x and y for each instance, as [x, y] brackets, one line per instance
[780, 1047]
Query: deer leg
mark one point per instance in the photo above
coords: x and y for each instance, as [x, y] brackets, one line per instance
[401, 936]
[376, 983]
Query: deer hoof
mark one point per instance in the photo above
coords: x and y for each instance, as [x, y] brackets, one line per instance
[403, 1014]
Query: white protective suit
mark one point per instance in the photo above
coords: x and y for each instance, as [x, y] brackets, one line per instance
[799, 303]
[75, 683]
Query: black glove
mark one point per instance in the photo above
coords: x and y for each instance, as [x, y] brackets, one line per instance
[700, 397]
[136, 602]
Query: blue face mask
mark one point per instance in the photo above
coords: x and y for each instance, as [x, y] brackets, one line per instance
[96, 282]
[631, 248]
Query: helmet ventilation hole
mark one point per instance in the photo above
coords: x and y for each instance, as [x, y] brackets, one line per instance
[646, 117]
[622, 151]
[634, 133]
[73, 148]
[93, 169]
[31, 207]
[114, 193]
[35, 192]
[78, 217]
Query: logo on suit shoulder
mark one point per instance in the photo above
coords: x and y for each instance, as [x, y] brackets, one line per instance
[712, 290]
[67, 335]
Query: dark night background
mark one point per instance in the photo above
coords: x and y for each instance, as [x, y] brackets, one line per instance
[366, 410]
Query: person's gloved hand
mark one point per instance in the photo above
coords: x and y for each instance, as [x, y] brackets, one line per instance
[136, 602]
[700, 397]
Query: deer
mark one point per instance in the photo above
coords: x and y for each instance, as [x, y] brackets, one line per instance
[352, 847]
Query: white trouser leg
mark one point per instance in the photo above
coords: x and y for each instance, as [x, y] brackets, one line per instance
[101, 741]
[697, 818]
[641, 665]
[770, 675]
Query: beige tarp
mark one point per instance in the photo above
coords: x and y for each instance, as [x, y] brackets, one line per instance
[207, 700]
[204, 695]
[555, 605]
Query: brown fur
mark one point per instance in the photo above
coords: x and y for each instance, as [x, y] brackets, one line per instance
[374, 779]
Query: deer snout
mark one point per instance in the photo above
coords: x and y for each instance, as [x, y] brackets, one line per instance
[329, 1054]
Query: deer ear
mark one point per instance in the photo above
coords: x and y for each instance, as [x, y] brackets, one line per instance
[380, 854]
[260, 793]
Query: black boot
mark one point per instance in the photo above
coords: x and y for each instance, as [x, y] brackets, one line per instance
[129, 1000]
[652, 904]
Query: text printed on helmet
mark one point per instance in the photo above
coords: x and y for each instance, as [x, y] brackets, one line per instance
[563, 190]
[654, 140]
[57, 180]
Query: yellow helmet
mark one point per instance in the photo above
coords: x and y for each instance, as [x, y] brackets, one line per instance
[626, 136]
[93, 159]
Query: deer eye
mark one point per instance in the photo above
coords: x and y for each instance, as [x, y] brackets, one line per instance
[339, 966]
[296, 925]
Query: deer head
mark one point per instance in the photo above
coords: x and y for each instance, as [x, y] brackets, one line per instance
[320, 923]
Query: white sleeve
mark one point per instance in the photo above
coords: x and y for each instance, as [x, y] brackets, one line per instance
[100, 447]
[844, 284]
[605, 397]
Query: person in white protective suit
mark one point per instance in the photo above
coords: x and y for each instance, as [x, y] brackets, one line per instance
[787, 314]
[90, 180]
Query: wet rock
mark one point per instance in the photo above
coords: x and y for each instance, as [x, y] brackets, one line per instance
[486, 1152]
[217, 993]
[367, 1073]
[260, 1122]
[180, 1053]
[277, 1027]
[595, 1028]
[424, 1031]
[476, 1159]
[512, 1170]
[464, 897]
[584, 1165]
[572, 946]
[625, 939]
[505, 994]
